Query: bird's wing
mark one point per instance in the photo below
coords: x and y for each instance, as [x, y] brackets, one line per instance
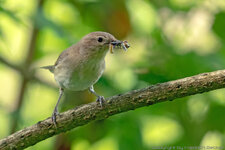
[51, 68]
[62, 56]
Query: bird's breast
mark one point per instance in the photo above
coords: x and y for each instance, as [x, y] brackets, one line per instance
[82, 76]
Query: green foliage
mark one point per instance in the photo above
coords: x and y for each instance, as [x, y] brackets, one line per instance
[219, 23]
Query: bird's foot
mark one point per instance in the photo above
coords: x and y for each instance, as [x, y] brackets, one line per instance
[100, 100]
[54, 114]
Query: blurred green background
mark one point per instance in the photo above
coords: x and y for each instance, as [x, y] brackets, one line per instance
[170, 39]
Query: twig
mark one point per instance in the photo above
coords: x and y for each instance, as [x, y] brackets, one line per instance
[121, 103]
[9, 64]
[26, 73]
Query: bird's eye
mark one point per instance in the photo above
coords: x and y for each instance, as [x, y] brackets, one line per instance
[100, 39]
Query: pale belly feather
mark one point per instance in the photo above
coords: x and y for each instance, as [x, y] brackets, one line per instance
[82, 77]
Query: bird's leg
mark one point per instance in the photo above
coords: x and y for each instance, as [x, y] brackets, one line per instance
[55, 112]
[100, 99]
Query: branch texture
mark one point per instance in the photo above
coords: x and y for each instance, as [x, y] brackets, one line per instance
[121, 103]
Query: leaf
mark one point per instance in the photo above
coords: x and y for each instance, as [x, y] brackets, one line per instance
[11, 15]
[42, 21]
[219, 24]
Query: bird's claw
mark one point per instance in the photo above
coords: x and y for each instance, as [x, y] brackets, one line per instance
[54, 114]
[100, 100]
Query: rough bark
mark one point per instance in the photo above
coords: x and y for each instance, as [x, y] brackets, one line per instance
[120, 103]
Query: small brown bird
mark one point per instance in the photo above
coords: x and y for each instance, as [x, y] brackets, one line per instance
[80, 66]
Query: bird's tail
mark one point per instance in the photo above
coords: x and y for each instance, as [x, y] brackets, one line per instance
[50, 68]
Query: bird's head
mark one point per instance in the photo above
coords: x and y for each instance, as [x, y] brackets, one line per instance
[97, 43]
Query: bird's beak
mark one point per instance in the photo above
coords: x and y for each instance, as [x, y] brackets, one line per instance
[118, 44]
[113, 44]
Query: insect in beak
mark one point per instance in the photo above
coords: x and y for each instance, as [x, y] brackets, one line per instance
[118, 44]
[111, 48]
[125, 45]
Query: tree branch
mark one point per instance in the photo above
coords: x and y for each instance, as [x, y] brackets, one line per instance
[28, 73]
[7, 63]
[121, 103]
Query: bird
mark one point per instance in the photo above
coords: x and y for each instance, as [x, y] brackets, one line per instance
[80, 66]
